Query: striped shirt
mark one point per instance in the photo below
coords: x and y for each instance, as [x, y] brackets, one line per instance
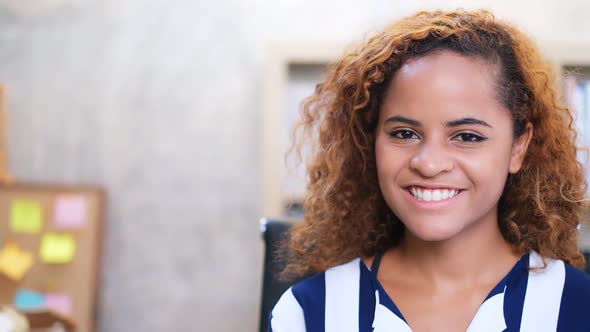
[350, 298]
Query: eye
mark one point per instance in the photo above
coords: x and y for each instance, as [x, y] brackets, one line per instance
[469, 138]
[404, 134]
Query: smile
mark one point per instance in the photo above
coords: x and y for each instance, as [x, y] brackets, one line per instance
[433, 195]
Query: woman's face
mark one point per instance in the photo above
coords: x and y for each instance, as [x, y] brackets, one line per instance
[445, 146]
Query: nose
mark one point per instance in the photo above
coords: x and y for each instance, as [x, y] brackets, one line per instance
[431, 159]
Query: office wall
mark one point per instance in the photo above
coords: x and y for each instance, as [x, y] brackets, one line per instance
[160, 102]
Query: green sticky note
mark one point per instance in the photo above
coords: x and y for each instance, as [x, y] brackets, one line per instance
[57, 248]
[26, 216]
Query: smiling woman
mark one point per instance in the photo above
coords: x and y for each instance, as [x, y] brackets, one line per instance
[441, 127]
[444, 191]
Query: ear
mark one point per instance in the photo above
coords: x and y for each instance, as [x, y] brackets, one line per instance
[519, 148]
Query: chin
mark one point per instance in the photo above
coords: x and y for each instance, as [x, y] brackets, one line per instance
[434, 233]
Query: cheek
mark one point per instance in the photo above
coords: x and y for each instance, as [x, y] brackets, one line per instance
[391, 162]
[388, 159]
[487, 168]
[383, 162]
[380, 155]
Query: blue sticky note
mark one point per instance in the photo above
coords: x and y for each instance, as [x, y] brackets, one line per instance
[29, 300]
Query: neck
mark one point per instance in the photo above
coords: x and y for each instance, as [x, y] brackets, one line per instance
[477, 255]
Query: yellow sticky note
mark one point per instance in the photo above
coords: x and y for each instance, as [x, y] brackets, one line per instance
[57, 248]
[14, 262]
[26, 216]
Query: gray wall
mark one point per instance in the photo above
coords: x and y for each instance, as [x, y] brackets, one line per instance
[159, 101]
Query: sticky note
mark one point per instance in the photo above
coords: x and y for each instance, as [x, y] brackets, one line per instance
[59, 302]
[27, 299]
[57, 248]
[70, 211]
[14, 262]
[7, 323]
[26, 216]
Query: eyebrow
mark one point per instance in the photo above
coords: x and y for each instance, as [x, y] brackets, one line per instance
[450, 124]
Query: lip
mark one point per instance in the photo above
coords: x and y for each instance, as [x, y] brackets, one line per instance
[432, 205]
[431, 186]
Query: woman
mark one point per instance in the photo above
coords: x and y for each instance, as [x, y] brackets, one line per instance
[444, 189]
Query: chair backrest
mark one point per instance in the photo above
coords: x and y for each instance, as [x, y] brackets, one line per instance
[273, 232]
[587, 256]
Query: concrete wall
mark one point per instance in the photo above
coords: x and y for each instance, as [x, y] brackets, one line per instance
[159, 101]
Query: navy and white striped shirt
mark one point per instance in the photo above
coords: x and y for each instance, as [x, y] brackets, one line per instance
[350, 298]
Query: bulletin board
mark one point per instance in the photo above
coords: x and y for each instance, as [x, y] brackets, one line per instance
[59, 230]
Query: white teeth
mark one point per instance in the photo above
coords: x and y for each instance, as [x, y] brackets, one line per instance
[436, 195]
[433, 195]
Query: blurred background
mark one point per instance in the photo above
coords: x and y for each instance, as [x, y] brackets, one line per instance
[181, 110]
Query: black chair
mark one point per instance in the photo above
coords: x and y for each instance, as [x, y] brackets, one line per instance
[587, 256]
[273, 231]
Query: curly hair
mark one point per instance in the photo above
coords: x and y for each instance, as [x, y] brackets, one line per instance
[345, 213]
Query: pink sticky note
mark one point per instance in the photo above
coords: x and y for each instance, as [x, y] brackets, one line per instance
[70, 211]
[58, 302]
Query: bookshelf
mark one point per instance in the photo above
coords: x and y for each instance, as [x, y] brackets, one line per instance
[291, 75]
[573, 64]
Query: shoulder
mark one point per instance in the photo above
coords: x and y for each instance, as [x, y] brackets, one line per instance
[575, 300]
[576, 291]
[303, 304]
[577, 281]
[311, 291]
[558, 275]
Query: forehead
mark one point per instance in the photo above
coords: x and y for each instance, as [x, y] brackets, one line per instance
[443, 82]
